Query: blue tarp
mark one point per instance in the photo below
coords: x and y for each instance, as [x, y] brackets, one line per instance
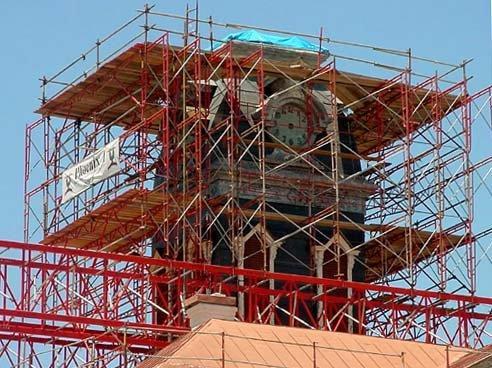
[258, 37]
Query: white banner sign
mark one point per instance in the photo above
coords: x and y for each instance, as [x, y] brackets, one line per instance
[98, 166]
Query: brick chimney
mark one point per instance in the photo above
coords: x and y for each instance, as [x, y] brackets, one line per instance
[201, 307]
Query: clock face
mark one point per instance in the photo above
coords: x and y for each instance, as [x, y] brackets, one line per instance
[289, 125]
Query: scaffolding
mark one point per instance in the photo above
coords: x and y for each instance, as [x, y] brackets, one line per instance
[386, 178]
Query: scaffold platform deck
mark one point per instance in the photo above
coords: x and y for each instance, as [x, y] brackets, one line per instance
[110, 94]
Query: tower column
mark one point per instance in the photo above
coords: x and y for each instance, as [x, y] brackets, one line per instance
[273, 247]
[239, 254]
[319, 255]
[351, 256]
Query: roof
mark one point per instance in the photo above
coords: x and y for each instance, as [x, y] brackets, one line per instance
[478, 359]
[252, 345]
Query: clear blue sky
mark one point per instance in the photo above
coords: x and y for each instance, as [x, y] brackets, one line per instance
[39, 37]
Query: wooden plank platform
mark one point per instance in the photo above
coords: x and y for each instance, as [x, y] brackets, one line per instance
[136, 214]
[386, 254]
[116, 225]
[101, 97]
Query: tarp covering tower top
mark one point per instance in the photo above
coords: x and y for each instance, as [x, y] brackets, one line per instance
[264, 38]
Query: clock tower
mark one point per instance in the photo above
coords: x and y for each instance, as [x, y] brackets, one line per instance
[293, 157]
